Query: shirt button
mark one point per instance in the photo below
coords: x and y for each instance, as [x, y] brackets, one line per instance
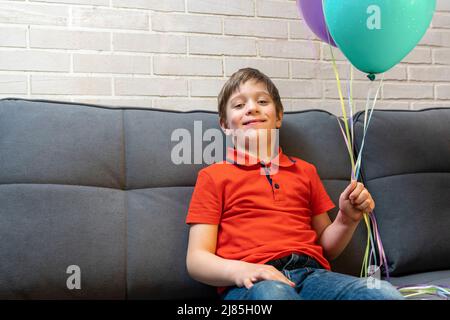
[277, 186]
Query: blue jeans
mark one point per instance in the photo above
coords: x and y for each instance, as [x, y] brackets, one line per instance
[312, 282]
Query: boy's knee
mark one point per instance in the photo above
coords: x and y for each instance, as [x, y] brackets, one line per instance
[382, 290]
[272, 290]
[389, 292]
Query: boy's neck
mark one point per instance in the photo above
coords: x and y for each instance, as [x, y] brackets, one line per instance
[267, 157]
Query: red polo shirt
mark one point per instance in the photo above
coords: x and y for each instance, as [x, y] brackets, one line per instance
[262, 215]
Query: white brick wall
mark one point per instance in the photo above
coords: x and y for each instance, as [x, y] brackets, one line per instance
[177, 54]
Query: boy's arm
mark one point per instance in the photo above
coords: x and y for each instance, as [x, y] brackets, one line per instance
[205, 266]
[202, 263]
[333, 237]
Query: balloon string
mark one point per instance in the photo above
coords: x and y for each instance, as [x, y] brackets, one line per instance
[413, 291]
[366, 252]
[349, 143]
[348, 134]
[371, 230]
[366, 124]
[352, 111]
[382, 255]
[341, 98]
[372, 243]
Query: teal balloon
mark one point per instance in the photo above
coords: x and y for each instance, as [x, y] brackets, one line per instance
[375, 35]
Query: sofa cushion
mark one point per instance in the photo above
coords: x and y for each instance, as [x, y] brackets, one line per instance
[47, 228]
[437, 278]
[406, 168]
[148, 146]
[157, 246]
[61, 143]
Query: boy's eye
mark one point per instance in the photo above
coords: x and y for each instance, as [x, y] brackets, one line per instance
[240, 105]
[262, 101]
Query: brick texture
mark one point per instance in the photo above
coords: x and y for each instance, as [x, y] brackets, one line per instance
[177, 54]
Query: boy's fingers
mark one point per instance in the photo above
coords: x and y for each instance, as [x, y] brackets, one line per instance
[286, 280]
[349, 189]
[277, 276]
[365, 206]
[247, 283]
[267, 275]
[362, 197]
[355, 193]
[289, 282]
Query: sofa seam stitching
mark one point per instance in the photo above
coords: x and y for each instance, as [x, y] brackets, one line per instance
[124, 171]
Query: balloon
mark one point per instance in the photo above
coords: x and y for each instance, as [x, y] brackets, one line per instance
[375, 35]
[312, 12]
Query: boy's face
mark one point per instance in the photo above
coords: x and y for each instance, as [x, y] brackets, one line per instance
[252, 107]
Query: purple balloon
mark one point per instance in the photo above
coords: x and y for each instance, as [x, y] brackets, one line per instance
[313, 15]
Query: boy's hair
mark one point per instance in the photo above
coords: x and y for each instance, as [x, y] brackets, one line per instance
[240, 77]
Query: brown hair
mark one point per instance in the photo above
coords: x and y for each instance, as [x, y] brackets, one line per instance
[240, 77]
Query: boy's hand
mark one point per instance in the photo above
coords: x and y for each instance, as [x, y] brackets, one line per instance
[356, 200]
[249, 273]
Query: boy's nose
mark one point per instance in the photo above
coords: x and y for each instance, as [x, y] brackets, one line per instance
[252, 106]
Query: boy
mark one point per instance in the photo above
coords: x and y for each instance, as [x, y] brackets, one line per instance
[268, 236]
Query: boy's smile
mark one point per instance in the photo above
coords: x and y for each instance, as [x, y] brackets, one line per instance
[253, 122]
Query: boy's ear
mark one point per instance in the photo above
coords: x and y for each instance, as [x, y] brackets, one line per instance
[224, 127]
[279, 120]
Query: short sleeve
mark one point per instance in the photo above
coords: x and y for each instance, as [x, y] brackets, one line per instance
[320, 201]
[205, 206]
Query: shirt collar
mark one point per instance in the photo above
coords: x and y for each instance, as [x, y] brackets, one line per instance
[242, 158]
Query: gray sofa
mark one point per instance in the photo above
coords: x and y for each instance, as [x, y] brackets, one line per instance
[94, 186]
